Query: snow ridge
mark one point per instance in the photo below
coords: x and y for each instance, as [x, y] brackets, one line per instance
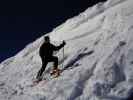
[97, 64]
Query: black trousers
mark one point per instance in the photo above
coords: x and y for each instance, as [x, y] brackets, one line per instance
[44, 64]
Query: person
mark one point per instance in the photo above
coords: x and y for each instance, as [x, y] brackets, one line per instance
[46, 54]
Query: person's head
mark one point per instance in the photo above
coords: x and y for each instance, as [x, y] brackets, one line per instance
[47, 39]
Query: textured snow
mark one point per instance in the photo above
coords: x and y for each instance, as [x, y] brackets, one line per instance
[98, 62]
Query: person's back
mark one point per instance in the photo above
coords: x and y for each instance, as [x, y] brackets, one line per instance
[46, 50]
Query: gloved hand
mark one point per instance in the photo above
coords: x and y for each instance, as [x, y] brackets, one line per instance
[64, 43]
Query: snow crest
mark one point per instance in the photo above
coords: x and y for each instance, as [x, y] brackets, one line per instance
[97, 64]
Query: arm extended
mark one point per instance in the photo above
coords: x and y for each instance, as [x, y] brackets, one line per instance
[60, 46]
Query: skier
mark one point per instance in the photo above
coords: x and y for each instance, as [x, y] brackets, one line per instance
[46, 54]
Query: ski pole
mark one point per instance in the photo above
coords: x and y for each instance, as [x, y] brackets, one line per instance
[63, 58]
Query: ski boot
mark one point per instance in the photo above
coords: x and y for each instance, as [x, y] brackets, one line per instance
[55, 72]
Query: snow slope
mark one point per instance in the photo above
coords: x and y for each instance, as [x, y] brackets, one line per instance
[98, 62]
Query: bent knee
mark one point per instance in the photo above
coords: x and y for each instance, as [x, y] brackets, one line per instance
[56, 58]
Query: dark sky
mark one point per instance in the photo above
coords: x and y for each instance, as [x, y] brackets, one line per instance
[21, 22]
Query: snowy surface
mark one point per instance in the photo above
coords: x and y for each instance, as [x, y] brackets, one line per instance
[98, 62]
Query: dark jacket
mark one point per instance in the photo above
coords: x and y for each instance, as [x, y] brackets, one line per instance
[47, 49]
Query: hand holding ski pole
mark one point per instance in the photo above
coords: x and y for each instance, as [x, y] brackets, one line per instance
[64, 43]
